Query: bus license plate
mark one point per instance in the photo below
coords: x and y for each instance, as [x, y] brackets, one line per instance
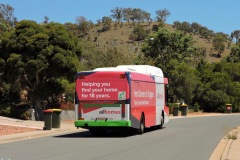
[101, 119]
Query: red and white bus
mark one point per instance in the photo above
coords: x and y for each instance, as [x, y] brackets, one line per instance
[128, 96]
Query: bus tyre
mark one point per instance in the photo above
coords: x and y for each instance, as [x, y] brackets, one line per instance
[162, 121]
[141, 126]
[160, 126]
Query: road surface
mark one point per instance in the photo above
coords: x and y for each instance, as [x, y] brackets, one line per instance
[181, 139]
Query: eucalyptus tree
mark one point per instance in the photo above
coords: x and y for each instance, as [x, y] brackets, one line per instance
[183, 26]
[196, 28]
[184, 79]
[138, 34]
[235, 34]
[206, 33]
[218, 44]
[107, 23]
[46, 19]
[162, 15]
[186, 27]
[72, 27]
[117, 13]
[84, 25]
[39, 58]
[221, 86]
[7, 14]
[137, 15]
[176, 24]
[7, 19]
[110, 58]
[147, 17]
[234, 55]
[127, 14]
[166, 45]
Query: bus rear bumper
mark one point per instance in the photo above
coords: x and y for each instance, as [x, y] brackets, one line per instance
[89, 124]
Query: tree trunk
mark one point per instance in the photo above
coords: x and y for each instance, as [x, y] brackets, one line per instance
[38, 109]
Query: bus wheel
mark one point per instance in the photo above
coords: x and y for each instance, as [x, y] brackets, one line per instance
[162, 121]
[142, 126]
[161, 124]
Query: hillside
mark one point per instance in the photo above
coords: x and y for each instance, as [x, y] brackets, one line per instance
[118, 37]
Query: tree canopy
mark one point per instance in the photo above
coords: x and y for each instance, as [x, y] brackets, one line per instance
[166, 45]
[38, 57]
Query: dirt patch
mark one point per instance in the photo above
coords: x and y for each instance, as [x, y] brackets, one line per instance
[6, 130]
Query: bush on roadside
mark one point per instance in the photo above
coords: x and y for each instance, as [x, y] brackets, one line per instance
[196, 107]
[236, 109]
[23, 111]
[5, 110]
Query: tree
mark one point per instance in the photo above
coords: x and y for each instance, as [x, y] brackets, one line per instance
[162, 15]
[107, 23]
[83, 25]
[166, 45]
[220, 85]
[72, 27]
[218, 44]
[196, 28]
[214, 101]
[117, 13]
[127, 14]
[183, 79]
[234, 94]
[206, 33]
[234, 55]
[176, 24]
[136, 15]
[46, 19]
[232, 69]
[7, 15]
[39, 57]
[138, 34]
[112, 57]
[236, 34]
[186, 27]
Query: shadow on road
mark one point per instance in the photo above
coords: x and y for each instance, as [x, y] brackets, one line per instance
[87, 134]
[108, 134]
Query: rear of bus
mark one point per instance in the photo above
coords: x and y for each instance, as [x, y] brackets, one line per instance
[102, 100]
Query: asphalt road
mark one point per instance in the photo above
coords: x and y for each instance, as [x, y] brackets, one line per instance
[181, 139]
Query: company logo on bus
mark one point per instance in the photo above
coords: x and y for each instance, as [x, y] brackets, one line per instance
[109, 112]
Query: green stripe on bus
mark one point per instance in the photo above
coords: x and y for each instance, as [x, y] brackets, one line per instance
[120, 123]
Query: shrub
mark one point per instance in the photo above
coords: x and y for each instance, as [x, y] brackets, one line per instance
[196, 107]
[23, 111]
[5, 110]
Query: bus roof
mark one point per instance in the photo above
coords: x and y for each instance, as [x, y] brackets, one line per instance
[144, 69]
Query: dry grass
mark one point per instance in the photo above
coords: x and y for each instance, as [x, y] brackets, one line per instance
[231, 133]
[118, 37]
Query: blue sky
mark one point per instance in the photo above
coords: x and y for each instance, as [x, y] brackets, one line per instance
[217, 15]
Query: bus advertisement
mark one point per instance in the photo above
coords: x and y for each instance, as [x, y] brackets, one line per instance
[126, 96]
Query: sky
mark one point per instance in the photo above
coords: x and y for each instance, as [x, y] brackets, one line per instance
[217, 15]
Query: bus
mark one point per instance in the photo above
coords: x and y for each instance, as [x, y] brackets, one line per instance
[126, 96]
